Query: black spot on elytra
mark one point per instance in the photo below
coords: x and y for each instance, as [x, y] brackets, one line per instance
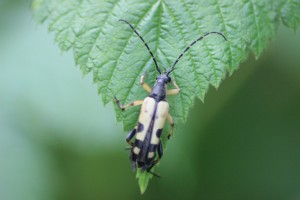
[140, 128]
[138, 143]
[159, 132]
[152, 148]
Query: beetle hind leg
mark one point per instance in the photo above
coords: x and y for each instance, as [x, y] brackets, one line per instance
[133, 159]
[154, 174]
[160, 154]
[130, 136]
[160, 150]
[172, 126]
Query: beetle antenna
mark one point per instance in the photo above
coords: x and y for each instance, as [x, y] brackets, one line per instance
[194, 42]
[156, 66]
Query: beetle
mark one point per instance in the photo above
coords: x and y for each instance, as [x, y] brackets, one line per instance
[154, 112]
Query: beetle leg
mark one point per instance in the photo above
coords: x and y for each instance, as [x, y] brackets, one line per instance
[160, 154]
[145, 85]
[172, 126]
[134, 103]
[152, 165]
[154, 174]
[133, 158]
[130, 136]
[160, 150]
[173, 91]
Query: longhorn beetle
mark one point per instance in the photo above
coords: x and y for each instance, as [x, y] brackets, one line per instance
[154, 112]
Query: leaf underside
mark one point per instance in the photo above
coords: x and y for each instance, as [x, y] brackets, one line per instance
[117, 58]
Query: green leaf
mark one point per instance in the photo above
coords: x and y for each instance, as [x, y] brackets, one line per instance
[290, 13]
[143, 178]
[117, 58]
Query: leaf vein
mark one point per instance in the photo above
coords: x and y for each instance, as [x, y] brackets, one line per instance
[99, 31]
[186, 44]
[226, 31]
[205, 45]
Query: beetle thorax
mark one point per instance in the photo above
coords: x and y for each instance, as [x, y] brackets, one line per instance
[159, 92]
[160, 88]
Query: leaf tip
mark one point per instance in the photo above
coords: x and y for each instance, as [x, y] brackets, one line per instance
[143, 180]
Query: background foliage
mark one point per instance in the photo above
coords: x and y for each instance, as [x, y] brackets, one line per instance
[108, 48]
[58, 142]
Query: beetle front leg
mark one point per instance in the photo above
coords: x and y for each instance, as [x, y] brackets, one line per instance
[145, 85]
[172, 126]
[173, 91]
[134, 103]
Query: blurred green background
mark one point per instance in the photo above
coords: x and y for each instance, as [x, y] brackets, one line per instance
[58, 141]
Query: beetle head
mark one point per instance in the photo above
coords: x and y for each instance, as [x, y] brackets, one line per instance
[163, 78]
